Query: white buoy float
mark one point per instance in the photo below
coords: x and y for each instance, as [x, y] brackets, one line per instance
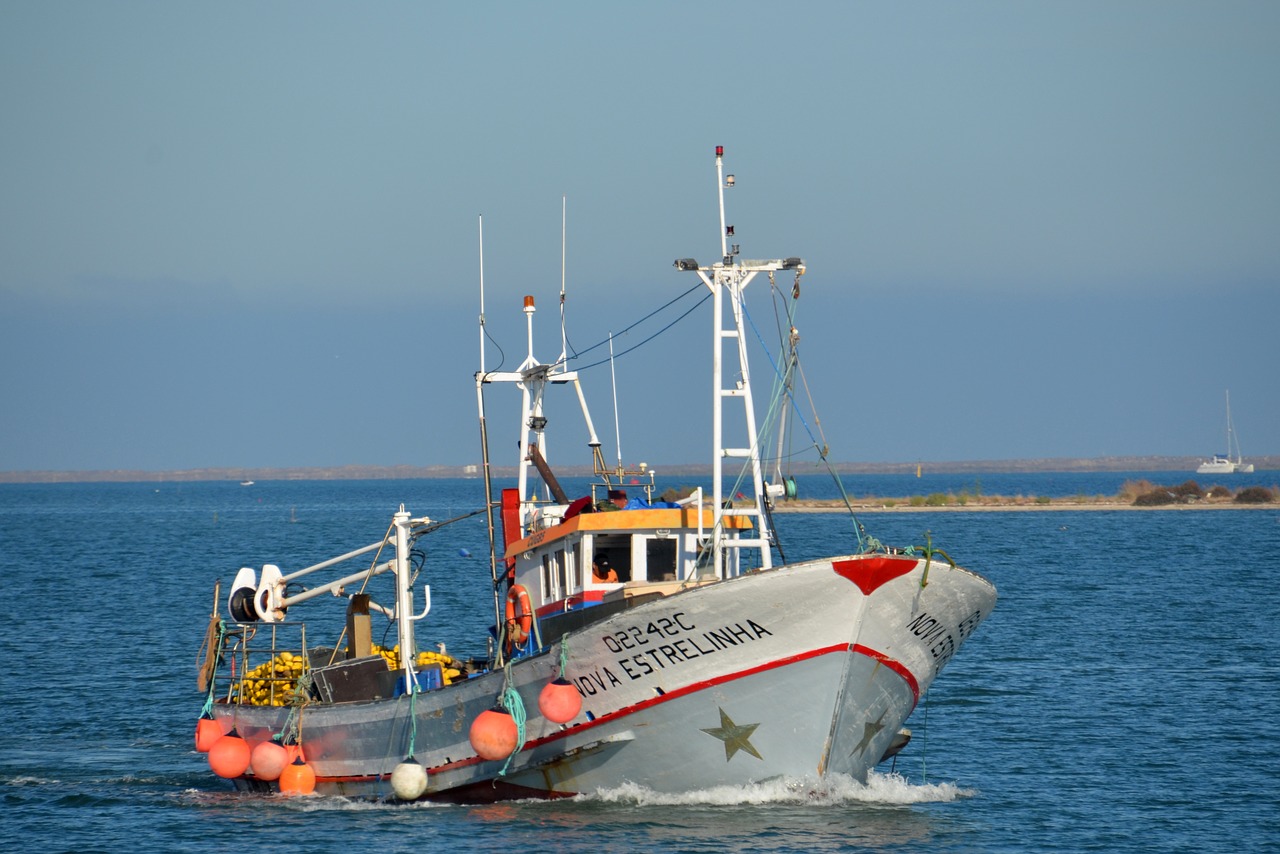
[409, 780]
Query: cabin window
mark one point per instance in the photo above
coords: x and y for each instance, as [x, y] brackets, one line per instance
[618, 550]
[562, 589]
[548, 579]
[660, 558]
[575, 561]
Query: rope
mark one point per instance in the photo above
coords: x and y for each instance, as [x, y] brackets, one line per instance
[929, 552]
[413, 720]
[291, 731]
[210, 653]
[924, 769]
[782, 389]
[515, 707]
[536, 634]
[928, 559]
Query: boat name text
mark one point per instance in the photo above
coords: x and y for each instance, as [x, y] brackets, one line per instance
[943, 643]
[664, 643]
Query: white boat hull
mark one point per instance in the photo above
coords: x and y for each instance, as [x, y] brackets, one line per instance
[795, 672]
[1224, 466]
[698, 663]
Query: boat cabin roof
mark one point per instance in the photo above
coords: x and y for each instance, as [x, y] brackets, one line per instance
[651, 551]
[623, 521]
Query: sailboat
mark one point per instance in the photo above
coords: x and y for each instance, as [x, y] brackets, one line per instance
[1222, 463]
[665, 644]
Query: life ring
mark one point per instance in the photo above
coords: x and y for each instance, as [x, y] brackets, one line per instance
[519, 616]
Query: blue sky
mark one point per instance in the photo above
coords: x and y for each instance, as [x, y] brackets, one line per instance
[245, 234]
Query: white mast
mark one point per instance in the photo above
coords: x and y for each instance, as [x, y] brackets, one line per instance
[1232, 441]
[729, 277]
[617, 428]
[481, 294]
[564, 227]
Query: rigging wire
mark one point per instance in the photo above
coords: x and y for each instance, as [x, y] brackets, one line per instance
[782, 391]
[502, 356]
[573, 353]
[787, 341]
[578, 354]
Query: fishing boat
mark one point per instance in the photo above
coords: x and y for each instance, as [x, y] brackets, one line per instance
[1222, 463]
[665, 644]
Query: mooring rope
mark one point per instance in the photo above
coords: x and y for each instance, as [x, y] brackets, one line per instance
[515, 707]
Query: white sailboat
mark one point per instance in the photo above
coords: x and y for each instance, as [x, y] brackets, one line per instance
[1222, 463]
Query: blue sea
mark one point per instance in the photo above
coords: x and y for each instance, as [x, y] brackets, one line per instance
[1124, 695]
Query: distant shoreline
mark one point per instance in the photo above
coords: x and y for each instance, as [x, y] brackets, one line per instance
[1181, 467]
[1054, 505]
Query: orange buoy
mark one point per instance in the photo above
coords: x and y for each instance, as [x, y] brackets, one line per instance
[229, 756]
[559, 701]
[494, 734]
[268, 760]
[297, 778]
[207, 732]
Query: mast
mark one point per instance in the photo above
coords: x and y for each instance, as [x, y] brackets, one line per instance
[481, 379]
[532, 378]
[728, 279]
[1232, 441]
[564, 230]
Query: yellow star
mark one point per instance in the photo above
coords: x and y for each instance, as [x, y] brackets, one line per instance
[735, 737]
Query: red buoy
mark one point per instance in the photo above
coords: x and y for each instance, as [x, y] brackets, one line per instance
[559, 701]
[207, 732]
[229, 756]
[268, 760]
[297, 779]
[494, 734]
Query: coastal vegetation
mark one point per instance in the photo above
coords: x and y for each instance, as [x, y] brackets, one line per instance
[1137, 493]
[1144, 494]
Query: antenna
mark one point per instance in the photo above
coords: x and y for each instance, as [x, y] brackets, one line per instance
[564, 341]
[617, 430]
[725, 231]
[481, 218]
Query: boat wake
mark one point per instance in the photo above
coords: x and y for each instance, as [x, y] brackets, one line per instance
[881, 789]
[835, 789]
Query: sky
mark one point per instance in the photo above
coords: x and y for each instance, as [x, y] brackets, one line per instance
[247, 235]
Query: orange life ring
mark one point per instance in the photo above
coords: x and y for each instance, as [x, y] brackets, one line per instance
[519, 616]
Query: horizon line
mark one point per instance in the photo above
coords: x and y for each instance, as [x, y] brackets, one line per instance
[412, 472]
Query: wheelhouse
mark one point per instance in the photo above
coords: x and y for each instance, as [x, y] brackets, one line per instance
[654, 551]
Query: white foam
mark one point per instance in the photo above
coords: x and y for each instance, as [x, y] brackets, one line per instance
[28, 780]
[836, 789]
[833, 790]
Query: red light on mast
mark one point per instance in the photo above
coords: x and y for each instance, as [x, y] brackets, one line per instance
[719, 151]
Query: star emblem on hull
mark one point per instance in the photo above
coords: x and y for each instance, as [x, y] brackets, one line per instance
[869, 730]
[735, 736]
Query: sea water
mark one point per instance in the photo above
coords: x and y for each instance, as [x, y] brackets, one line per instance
[1124, 695]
